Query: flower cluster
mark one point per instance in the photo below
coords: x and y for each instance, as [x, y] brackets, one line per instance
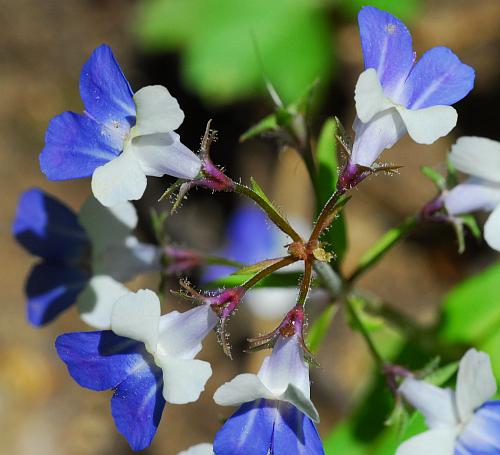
[147, 358]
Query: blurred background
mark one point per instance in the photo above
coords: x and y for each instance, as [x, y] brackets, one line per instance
[211, 54]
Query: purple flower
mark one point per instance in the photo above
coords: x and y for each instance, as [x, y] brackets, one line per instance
[395, 95]
[83, 257]
[120, 138]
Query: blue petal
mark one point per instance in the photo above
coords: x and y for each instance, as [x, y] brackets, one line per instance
[438, 78]
[137, 406]
[248, 431]
[101, 360]
[295, 433]
[49, 229]
[481, 436]
[251, 239]
[75, 145]
[105, 92]
[387, 47]
[51, 289]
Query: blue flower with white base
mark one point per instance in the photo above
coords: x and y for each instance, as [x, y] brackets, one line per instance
[120, 138]
[276, 415]
[84, 257]
[147, 360]
[480, 158]
[461, 422]
[395, 95]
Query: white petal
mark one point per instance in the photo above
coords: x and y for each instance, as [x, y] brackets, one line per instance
[477, 156]
[295, 396]
[369, 96]
[199, 449]
[157, 111]
[164, 154]
[107, 225]
[120, 180]
[181, 334]
[436, 404]
[126, 261]
[286, 366]
[372, 138]
[183, 379]
[434, 442]
[492, 230]
[242, 389]
[475, 383]
[270, 303]
[427, 125]
[472, 195]
[137, 316]
[96, 302]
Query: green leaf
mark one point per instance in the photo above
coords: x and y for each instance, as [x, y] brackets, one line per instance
[257, 267]
[266, 125]
[438, 179]
[343, 441]
[258, 189]
[471, 311]
[282, 279]
[218, 41]
[370, 322]
[442, 375]
[320, 327]
[326, 183]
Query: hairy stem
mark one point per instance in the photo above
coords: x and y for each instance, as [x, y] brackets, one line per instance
[287, 260]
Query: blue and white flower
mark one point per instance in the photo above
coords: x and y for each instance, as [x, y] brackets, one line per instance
[480, 158]
[461, 422]
[120, 138]
[276, 415]
[84, 257]
[147, 360]
[395, 95]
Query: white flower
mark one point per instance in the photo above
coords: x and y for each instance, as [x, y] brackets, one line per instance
[284, 376]
[480, 158]
[173, 339]
[461, 422]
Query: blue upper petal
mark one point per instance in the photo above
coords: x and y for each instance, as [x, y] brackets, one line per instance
[295, 433]
[101, 361]
[105, 92]
[387, 47]
[438, 78]
[75, 145]
[137, 406]
[248, 431]
[481, 436]
[49, 229]
[52, 288]
[250, 239]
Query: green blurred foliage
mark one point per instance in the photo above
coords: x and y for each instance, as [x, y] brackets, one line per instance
[471, 314]
[404, 9]
[222, 42]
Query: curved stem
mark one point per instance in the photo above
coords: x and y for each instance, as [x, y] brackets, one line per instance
[271, 212]
[287, 260]
[305, 284]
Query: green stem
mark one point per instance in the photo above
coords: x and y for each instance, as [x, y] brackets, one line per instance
[365, 333]
[271, 212]
[330, 279]
[383, 245]
[267, 271]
